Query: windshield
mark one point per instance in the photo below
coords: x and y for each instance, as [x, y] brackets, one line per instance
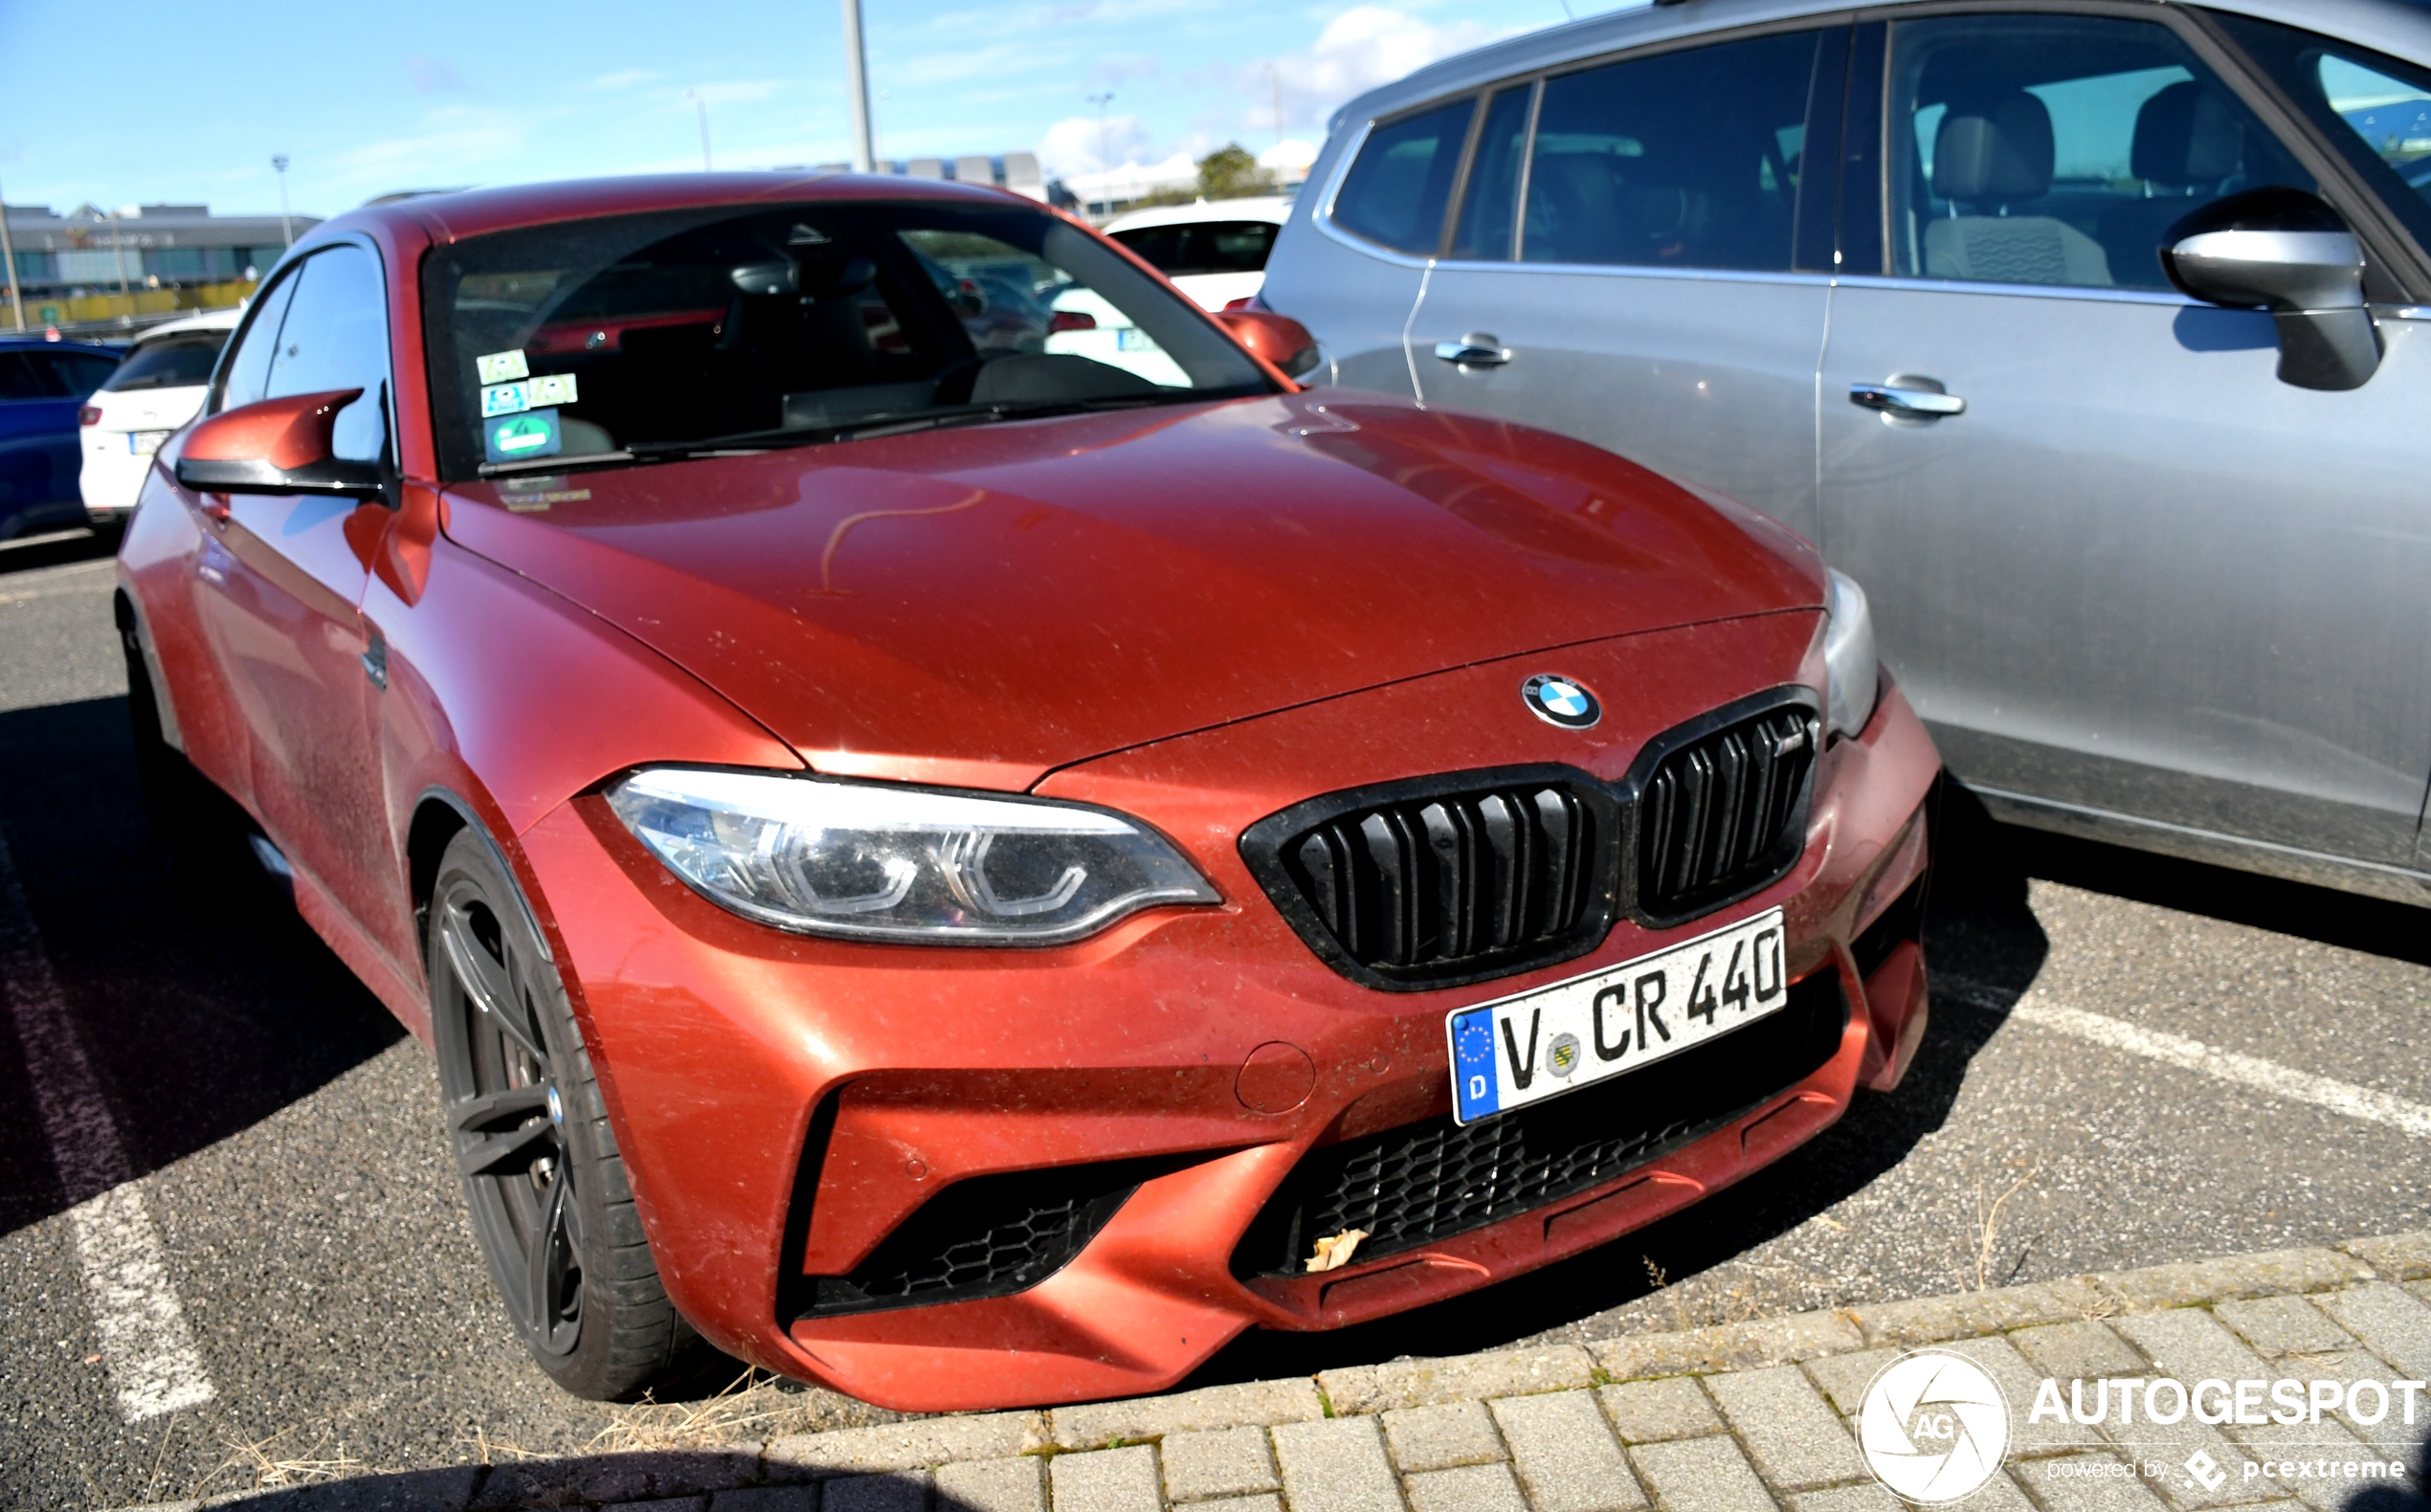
[173, 362]
[663, 334]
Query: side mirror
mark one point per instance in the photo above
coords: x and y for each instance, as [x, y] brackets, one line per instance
[1278, 338]
[276, 446]
[2284, 251]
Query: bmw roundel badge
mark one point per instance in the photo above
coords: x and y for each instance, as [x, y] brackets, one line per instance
[1560, 700]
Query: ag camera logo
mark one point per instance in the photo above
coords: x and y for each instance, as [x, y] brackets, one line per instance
[1933, 1426]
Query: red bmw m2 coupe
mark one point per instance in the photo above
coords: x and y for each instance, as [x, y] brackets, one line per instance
[957, 835]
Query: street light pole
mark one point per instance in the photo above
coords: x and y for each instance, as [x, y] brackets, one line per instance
[857, 71]
[703, 106]
[9, 256]
[286, 223]
[118, 244]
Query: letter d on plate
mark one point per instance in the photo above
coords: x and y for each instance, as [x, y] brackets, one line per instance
[1473, 1083]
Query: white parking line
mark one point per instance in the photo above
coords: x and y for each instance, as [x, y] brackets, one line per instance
[2034, 1007]
[146, 1345]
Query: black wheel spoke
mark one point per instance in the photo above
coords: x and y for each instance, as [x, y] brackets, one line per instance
[489, 984]
[554, 1265]
[477, 1115]
[505, 1154]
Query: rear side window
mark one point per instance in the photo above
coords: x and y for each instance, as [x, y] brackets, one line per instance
[1683, 159]
[1397, 192]
[1219, 246]
[2375, 111]
[17, 378]
[173, 362]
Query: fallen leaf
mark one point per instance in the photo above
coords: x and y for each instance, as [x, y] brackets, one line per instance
[1333, 1252]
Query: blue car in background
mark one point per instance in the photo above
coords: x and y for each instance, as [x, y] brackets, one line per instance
[42, 386]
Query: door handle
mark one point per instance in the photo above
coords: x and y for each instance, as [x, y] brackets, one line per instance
[1476, 349]
[1907, 398]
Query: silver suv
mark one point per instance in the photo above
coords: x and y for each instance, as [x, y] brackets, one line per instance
[2093, 337]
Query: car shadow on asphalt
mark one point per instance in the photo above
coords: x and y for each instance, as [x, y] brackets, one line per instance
[204, 1003]
[55, 549]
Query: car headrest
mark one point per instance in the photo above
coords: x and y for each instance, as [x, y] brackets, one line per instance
[2185, 136]
[1993, 150]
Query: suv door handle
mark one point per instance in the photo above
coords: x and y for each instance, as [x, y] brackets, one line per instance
[1476, 349]
[1907, 398]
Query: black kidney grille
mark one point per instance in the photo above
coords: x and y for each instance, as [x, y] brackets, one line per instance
[1412, 1185]
[1718, 817]
[1449, 883]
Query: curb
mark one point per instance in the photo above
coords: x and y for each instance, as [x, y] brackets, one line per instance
[1003, 1458]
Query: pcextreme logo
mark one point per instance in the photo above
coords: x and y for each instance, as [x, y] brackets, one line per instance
[1933, 1426]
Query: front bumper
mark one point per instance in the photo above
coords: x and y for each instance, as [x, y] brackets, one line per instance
[785, 1105]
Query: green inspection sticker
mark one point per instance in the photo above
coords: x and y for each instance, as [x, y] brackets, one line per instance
[502, 367]
[513, 437]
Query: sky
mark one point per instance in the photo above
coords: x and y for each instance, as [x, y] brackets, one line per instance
[368, 99]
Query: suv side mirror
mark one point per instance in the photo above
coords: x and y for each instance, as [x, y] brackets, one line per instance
[2284, 251]
[1278, 338]
[276, 446]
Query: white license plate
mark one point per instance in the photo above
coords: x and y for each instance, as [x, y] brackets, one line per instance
[144, 443]
[1555, 1039]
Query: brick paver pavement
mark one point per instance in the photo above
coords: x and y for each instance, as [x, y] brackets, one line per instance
[1740, 1418]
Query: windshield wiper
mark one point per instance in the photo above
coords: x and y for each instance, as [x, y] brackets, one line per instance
[892, 422]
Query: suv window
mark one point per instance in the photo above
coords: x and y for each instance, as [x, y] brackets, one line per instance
[1486, 207]
[2375, 111]
[18, 379]
[1683, 159]
[74, 375]
[336, 336]
[2056, 149]
[1397, 192]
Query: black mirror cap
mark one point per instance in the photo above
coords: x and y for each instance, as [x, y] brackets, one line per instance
[2287, 251]
[330, 476]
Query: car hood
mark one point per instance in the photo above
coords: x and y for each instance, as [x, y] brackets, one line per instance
[980, 606]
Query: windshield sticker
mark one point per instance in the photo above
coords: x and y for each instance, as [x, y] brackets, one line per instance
[502, 367]
[513, 437]
[552, 388]
[505, 398]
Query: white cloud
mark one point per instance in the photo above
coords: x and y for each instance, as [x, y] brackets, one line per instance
[624, 79]
[1364, 47]
[1073, 146]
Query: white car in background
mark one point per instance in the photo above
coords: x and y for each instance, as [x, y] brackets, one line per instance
[1214, 251]
[154, 392]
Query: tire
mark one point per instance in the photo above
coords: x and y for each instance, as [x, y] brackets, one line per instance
[549, 1200]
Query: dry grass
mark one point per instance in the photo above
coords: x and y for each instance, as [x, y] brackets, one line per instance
[267, 1465]
[1988, 1227]
[752, 1405]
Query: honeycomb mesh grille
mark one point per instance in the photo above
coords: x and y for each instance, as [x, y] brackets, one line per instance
[1428, 1181]
[987, 1236]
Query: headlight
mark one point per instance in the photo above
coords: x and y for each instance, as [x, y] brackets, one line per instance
[870, 861]
[1848, 655]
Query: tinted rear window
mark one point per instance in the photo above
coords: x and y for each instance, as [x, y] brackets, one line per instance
[1396, 192]
[173, 362]
[1216, 246]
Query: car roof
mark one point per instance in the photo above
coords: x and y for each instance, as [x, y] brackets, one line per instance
[2401, 27]
[208, 321]
[13, 342]
[476, 213]
[1274, 208]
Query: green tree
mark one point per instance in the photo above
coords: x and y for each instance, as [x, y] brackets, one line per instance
[1232, 172]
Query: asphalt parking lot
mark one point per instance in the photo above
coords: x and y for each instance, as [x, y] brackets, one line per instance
[285, 1136]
